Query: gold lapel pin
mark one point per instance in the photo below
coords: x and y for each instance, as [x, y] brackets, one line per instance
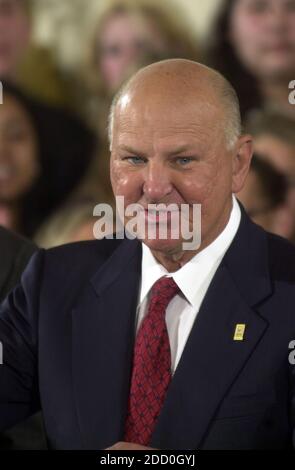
[239, 332]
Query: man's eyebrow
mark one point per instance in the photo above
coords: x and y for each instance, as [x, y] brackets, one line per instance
[172, 152]
[129, 149]
[180, 149]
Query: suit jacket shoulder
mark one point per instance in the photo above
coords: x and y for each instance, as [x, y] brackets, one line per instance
[281, 258]
[87, 255]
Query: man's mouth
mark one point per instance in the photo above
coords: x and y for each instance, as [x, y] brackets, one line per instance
[160, 216]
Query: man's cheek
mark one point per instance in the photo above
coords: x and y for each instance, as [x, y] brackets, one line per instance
[197, 190]
[119, 178]
[126, 184]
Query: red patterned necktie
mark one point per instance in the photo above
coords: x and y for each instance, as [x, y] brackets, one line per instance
[151, 372]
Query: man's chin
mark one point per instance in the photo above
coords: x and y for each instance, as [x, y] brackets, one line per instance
[168, 246]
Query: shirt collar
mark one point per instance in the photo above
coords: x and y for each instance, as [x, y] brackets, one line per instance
[198, 268]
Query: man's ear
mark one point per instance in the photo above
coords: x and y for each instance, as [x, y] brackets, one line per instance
[241, 162]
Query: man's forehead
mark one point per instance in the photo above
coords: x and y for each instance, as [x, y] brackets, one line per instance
[130, 124]
[174, 131]
[157, 114]
[168, 141]
[184, 100]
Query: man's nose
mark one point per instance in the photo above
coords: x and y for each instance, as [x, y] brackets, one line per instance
[157, 183]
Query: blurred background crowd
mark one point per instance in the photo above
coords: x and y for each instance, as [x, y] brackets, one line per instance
[62, 61]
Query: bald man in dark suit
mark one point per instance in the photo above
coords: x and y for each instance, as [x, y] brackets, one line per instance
[143, 343]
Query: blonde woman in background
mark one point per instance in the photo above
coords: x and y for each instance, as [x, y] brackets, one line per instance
[126, 35]
[73, 223]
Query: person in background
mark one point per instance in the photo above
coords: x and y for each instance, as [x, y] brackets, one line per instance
[24, 63]
[20, 163]
[15, 253]
[36, 175]
[127, 35]
[15, 32]
[264, 197]
[254, 47]
[24, 66]
[274, 141]
[72, 223]
[128, 31]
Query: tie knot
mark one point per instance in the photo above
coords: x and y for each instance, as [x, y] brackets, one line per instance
[164, 290]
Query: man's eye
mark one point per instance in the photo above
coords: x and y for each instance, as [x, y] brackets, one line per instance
[135, 160]
[184, 160]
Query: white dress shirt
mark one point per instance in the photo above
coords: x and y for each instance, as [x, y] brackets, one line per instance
[193, 280]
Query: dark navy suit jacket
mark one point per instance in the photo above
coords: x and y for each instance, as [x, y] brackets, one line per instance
[15, 253]
[68, 334]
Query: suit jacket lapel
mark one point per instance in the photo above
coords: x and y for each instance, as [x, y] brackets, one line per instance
[103, 341]
[211, 359]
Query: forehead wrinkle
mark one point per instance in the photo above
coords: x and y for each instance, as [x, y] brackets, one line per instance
[165, 140]
[158, 128]
[141, 121]
[149, 147]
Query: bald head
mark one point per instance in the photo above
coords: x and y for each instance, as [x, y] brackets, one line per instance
[188, 83]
